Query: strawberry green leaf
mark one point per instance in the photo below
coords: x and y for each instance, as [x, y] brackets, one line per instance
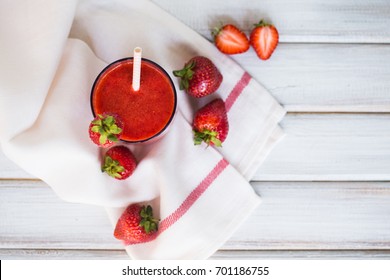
[107, 127]
[207, 136]
[147, 226]
[97, 122]
[148, 222]
[262, 23]
[109, 121]
[153, 227]
[185, 74]
[108, 160]
[95, 128]
[216, 141]
[184, 84]
[112, 138]
[102, 138]
[114, 129]
[112, 167]
[197, 138]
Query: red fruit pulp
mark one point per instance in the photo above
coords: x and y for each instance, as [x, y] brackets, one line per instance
[145, 113]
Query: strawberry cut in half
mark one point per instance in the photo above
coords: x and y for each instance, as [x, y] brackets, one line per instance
[199, 77]
[105, 130]
[264, 38]
[119, 162]
[230, 40]
[136, 225]
[210, 124]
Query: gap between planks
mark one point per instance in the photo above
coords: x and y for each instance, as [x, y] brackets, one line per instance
[293, 216]
[44, 254]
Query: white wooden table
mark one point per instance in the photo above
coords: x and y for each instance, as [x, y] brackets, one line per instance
[325, 188]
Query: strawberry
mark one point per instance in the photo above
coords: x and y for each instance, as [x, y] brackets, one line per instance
[210, 123]
[230, 40]
[119, 162]
[199, 77]
[264, 38]
[105, 130]
[136, 224]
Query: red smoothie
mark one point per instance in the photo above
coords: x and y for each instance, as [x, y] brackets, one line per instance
[145, 113]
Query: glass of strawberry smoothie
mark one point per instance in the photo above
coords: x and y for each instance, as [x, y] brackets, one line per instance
[145, 113]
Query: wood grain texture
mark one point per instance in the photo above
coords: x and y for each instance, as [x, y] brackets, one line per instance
[325, 77]
[322, 215]
[9, 170]
[317, 147]
[334, 57]
[310, 77]
[34, 217]
[27, 254]
[297, 21]
[293, 216]
[331, 147]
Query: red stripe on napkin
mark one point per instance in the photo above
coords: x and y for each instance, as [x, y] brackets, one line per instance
[237, 90]
[193, 196]
[189, 201]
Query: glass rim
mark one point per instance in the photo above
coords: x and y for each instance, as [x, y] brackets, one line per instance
[158, 67]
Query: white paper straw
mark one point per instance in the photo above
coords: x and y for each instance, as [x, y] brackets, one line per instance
[137, 68]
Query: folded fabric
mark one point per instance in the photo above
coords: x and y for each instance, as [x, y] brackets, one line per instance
[201, 195]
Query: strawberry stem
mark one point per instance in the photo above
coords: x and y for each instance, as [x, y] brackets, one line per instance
[262, 23]
[148, 222]
[216, 30]
[207, 136]
[185, 74]
[112, 167]
[107, 127]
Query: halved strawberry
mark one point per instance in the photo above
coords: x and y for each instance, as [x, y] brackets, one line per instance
[211, 124]
[230, 40]
[136, 224]
[264, 38]
[119, 162]
[105, 130]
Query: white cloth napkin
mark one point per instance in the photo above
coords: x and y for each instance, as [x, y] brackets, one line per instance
[51, 52]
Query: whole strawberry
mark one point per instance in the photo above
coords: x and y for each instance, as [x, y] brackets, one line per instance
[105, 130]
[211, 124]
[199, 77]
[119, 162]
[264, 38]
[230, 40]
[136, 224]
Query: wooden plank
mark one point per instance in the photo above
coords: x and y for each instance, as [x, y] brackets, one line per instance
[318, 147]
[301, 254]
[331, 147]
[32, 216]
[311, 77]
[44, 254]
[321, 215]
[293, 216]
[31, 254]
[9, 170]
[297, 21]
[325, 78]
